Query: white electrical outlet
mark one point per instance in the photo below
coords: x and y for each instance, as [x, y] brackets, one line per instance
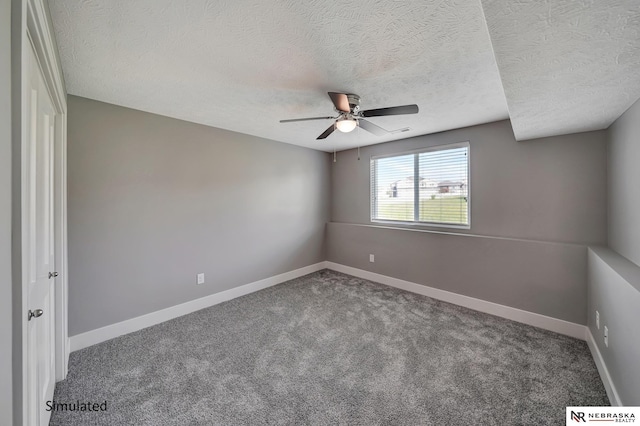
[372, 258]
[598, 320]
[200, 279]
[606, 336]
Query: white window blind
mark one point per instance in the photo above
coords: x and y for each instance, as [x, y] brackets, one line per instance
[429, 186]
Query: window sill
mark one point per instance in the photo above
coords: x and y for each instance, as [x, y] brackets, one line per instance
[418, 225]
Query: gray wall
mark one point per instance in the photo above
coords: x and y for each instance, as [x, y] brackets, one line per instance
[530, 275]
[153, 201]
[624, 189]
[614, 272]
[547, 196]
[6, 402]
[551, 189]
[614, 290]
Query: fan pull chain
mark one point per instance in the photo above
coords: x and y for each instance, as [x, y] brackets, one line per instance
[334, 155]
[359, 138]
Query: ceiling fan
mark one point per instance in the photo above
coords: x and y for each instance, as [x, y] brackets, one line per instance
[349, 115]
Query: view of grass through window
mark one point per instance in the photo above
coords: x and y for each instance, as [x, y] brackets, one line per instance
[430, 186]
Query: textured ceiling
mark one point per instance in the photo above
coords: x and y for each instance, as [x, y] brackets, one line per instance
[243, 65]
[566, 65]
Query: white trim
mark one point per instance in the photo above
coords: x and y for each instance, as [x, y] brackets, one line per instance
[577, 331]
[514, 314]
[612, 393]
[410, 225]
[36, 33]
[373, 186]
[89, 338]
[39, 33]
[61, 258]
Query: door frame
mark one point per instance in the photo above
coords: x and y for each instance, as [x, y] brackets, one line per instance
[37, 33]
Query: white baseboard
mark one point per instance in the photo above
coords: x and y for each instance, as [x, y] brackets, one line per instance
[548, 323]
[108, 332]
[514, 314]
[578, 331]
[612, 393]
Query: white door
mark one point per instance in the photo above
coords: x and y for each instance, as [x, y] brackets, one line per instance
[38, 175]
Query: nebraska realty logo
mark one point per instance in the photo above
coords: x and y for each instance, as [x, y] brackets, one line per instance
[580, 415]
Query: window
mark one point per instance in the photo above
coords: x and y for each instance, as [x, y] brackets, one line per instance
[429, 186]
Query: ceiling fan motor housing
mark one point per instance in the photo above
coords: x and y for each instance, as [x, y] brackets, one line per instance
[354, 102]
[347, 105]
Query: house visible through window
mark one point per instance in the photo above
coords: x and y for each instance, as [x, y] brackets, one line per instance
[429, 186]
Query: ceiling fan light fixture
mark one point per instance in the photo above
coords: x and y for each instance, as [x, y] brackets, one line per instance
[350, 116]
[346, 125]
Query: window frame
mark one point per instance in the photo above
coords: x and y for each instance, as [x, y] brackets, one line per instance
[413, 223]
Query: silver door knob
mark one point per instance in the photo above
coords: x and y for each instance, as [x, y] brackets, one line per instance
[53, 275]
[35, 314]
